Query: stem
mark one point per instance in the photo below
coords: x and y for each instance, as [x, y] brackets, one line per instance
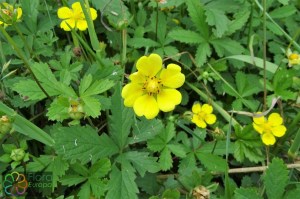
[156, 25]
[293, 151]
[265, 52]
[24, 59]
[3, 59]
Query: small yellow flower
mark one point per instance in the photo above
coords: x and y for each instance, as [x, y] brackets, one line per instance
[9, 14]
[202, 115]
[269, 128]
[293, 58]
[152, 87]
[74, 17]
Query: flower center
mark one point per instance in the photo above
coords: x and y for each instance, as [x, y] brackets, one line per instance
[152, 85]
[293, 56]
[7, 12]
[267, 127]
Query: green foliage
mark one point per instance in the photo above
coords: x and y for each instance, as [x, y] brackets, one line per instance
[276, 179]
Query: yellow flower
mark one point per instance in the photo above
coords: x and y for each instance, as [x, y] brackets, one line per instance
[9, 14]
[74, 17]
[269, 128]
[202, 115]
[152, 87]
[293, 58]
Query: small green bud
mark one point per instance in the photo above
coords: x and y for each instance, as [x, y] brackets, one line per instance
[17, 154]
[5, 125]
[75, 110]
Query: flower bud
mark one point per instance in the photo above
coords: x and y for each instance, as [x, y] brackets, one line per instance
[5, 125]
[76, 110]
[17, 154]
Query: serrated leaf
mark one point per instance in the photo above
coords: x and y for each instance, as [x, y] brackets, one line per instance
[283, 12]
[294, 193]
[203, 51]
[196, 12]
[72, 180]
[145, 129]
[239, 21]
[212, 162]
[98, 87]
[171, 194]
[85, 83]
[177, 150]
[48, 163]
[122, 184]
[165, 159]
[121, 119]
[91, 106]
[247, 84]
[217, 18]
[83, 144]
[98, 187]
[101, 168]
[142, 42]
[58, 109]
[276, 179]
[246, 193]
[30, 89]
[227, 46]
[186, 36]
[142, 162]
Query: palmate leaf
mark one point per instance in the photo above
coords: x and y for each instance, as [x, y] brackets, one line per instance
[83, 144]
[49, 163]
[122, 183]
[186, 36]
[121, 119]
[217, 18]
[276, 179]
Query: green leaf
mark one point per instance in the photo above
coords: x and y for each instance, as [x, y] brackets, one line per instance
[96, 88]
[98, 187]
[83, 144]
[283, 12]
[276, 179]
[30, 89]
[240, 19]
[203, 51]
[49, 163]
[246, 193]
[225, 46]
[85, 83]
[142, 162]
[91, 106]
[101, 168]
[120, 120]
[196, 12]
[282, 83]
[186, 36]
[255, 61]
[217, 18]
[142, 42]
[144, 130]
[72, 180]
[165, 159]
[212, 162]
[171, 194]
[122, 184]
[294, 193]
[58, 109]
[247, 84]
[177, 150]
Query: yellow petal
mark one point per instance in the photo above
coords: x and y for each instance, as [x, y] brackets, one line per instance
[278, 131]
[206, 108]
[172, 77]
[64, 13]
[93, 13]
[259, 120]
[199, 122]
[76, 7]
[258, 128]
[130, 93]
[210, 119]
[70, 22]
[167, 99]
[196, 108]
[146, 105]
[275, 119]
[149, 66]
[268, 139]
[19, 11]
[1, 22]
[81, 25]
[137, 77]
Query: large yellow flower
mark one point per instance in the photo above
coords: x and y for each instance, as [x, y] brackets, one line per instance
[9, 14]
[153, 87]
[269, 128]
[74, 17]
[202, 115]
